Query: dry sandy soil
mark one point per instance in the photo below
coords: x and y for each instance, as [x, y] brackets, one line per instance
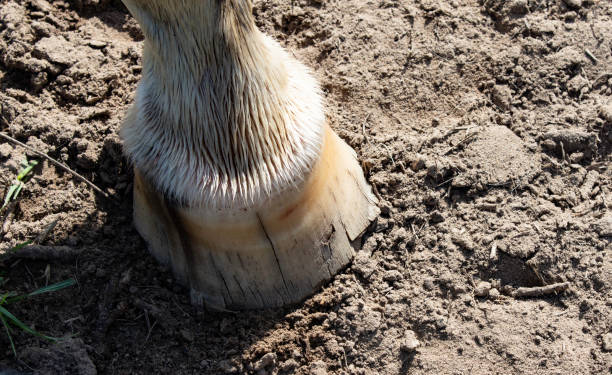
[485, 128]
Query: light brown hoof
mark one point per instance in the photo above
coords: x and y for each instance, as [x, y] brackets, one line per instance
[271, 256]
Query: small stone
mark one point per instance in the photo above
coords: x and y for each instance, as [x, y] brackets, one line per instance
[493, 293]
[436, 217]
[605, 112]
[576, 157]
[267, 360]
[463, 240]
[227, 367]
[606, 342]
[417, 163]
[428, 284]
[458, 289]
[410, 343]
[318, 368]
[502, 96]
[482, 289]
[549, 144]
[187, 335]
[289, 365]
[576, 84]
[603, 226]
[519, 7]
[573, 4]
[392, 276]
[5, 150]
[41, 5]
[97, 44]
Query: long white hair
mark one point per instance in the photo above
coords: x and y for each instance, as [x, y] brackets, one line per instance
[223, 117]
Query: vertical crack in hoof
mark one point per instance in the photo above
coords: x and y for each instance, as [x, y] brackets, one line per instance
[280, 269]
[227, 289]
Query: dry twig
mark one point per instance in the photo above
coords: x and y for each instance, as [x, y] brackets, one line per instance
[57, 164]
[541, 290]
[40, 252]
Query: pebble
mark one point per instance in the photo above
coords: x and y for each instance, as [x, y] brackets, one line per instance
[502, 97]
[410, 343]
[493, 293]
[605, 111]
[318, 368]
[227, 367]
[267, 360]
[606, 342]
[482, 289]
[392, 276]
[417, 163]
[5, 150]
[289, 365]
[573, 4]
[98, 44]
[187, 335]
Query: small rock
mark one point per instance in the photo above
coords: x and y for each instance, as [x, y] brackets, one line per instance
[410, 343]
[502, 96]
[41, 5]
[318, 368]
[5, 151]
[436, 217]
[187, 335]
[428, 284]
[518, 7]
[493, 293]
[227, 367]
[463, 240]
[482, 289]
[267, 360]
[606, 342]
[576, 84]
[97, 44]
[603, 226]
[549, 144]
[400, 234]
[458, 289]
[576, 157]
[392, 276]
[605, 111]
[573, 4]
[417, 163]
[289, 365]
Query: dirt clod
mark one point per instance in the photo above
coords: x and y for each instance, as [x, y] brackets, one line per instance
[68, 356]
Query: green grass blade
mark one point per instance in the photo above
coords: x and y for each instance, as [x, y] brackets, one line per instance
[8, 333]
[27, 170]
[47, 289]
[53, 288]
[7, 315]
[9, 194]
[17, 191]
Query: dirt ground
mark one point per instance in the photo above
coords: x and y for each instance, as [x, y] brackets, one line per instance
[485, 128]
